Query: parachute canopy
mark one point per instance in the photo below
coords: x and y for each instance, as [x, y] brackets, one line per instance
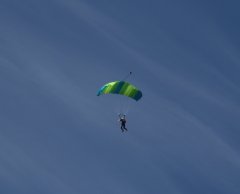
[122, 88]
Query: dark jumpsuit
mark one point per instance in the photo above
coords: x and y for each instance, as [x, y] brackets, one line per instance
[123, 123]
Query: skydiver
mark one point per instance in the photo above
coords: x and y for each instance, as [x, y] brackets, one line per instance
[122, 119]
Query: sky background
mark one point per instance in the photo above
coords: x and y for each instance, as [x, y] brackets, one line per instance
[57, 136]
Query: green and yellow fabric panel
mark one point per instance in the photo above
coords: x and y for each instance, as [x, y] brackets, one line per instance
[122, 88]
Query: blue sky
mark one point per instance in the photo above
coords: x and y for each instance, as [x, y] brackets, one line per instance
[57, 136]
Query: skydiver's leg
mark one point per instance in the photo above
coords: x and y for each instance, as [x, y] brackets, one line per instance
[124, 127]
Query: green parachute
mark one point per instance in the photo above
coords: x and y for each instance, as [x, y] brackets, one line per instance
[121, 88]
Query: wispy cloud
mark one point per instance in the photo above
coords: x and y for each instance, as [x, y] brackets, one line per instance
[17, 168]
